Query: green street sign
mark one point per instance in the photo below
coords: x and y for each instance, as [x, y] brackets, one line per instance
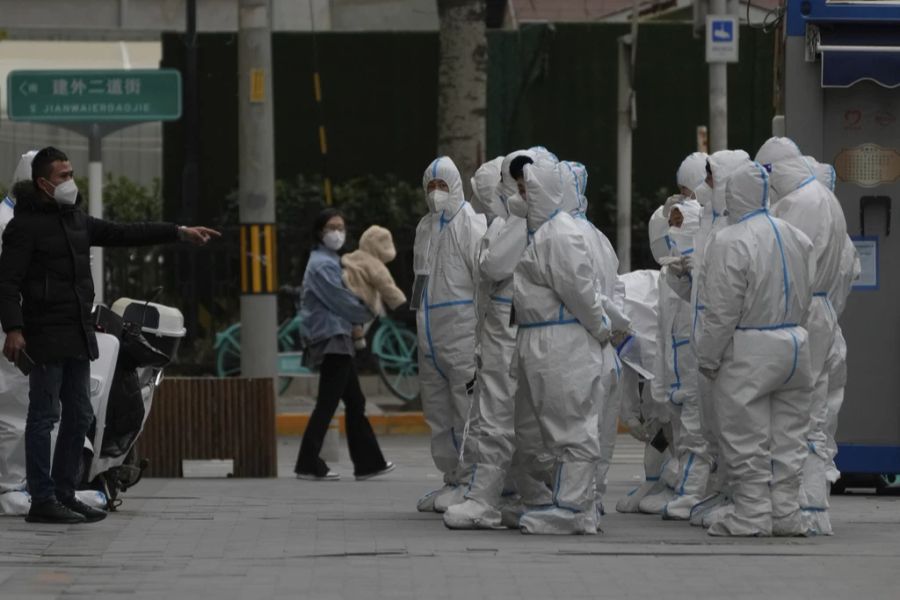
[94, 95]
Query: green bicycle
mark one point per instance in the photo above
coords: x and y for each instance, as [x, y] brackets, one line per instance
[393, 345]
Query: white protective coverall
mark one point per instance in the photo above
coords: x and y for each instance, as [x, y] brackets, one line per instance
[755, 289]
[646, 415]
[493, 428]
[836, 363]
[613, 289]
[13, 391]
[799, 199]
[722, 165]
[680, 384]
[562, 330]
[445, 251]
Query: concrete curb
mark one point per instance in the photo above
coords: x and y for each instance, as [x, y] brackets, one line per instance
[405, 423]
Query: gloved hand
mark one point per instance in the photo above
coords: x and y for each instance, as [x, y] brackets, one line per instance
[710, 374]
[603, 336]
[678, 265]
[641, 431]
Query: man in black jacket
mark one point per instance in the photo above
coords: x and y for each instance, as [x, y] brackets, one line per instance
[46, 298]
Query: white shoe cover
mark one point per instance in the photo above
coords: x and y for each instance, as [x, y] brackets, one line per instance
[472, 514]
[679, 508]
[558, 521]
[732, 526]
[654, 504]
[92, 498]
[702, 508]
[715, 515]
[814, 492]
[455, 495]
[15, 503]
[426, 502]
[629, 504]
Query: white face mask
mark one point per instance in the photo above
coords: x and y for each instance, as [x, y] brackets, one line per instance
[517, 206]
[703, 194]
[66, 193]
[438, 201]
[680, 241]
[334, 240]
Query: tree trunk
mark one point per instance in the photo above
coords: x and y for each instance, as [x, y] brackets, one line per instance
[462, 85]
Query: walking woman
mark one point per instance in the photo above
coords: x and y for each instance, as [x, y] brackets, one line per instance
[330, 314]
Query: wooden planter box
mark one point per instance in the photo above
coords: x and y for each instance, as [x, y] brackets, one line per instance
[211, 418]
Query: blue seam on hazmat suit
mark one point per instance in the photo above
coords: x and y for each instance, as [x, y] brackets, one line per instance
[675, 387]
[556, 502]
[796, 354]
[428, 337]
[501, 299]
[687, 473]
[450, 303]
[8, 201]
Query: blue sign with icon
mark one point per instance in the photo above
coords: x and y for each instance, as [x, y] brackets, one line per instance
[723, 31]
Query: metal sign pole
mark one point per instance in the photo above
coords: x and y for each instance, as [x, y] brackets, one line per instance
[95, 203]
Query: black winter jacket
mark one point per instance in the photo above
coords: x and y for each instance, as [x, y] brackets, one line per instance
[45, 265]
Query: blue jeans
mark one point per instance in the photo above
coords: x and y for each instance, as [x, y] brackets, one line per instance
[64, 383]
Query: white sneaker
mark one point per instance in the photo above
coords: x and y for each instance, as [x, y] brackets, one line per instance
[472, 514]
[329, 476]
[390, 467]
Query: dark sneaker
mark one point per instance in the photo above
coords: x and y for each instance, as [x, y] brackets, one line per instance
[90, 514]
[52, 511]
[387, 469]
[329, 476]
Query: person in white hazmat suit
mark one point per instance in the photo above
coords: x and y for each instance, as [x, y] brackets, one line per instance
[676, 319]
[647, 418]
[675, 387]
[494, 426]
[680, 276]
[13, 391]
[755, 288]
[445, 251]
[563, 327]
[836, 363]
[799, 199]
[606, 264]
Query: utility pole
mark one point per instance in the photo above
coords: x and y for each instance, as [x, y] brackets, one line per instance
[190, 176]
[259, 273]
[718, 91]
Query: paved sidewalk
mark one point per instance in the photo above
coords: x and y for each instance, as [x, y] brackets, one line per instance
[247, 539]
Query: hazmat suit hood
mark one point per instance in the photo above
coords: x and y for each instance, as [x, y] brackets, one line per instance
[824, 172]
[681, 239]
[788, 169]
[545, 193]
[747, 191]
[378, 242]
[691, 173]
[572, 174]
[22, 172]
[444, 168]
[581, 175]
[508, 190]
[722, 164]
[658, 231]
[485, 190]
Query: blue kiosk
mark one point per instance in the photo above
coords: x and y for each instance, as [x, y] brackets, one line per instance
[842, 105]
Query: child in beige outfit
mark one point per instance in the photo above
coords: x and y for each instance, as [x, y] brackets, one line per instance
[367, 276]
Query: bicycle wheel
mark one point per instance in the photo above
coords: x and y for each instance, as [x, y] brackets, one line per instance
[228, 352]
[398, 365]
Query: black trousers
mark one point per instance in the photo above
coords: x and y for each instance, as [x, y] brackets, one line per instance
[338, 380]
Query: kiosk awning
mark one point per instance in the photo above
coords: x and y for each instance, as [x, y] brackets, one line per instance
[853, 54]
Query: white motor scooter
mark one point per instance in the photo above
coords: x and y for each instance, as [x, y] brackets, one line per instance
[137, 340]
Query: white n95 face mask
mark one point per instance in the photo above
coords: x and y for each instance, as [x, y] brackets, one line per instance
[438, 200]
[334, 240]
[517, 206]
[66, 193]
[703, 194]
